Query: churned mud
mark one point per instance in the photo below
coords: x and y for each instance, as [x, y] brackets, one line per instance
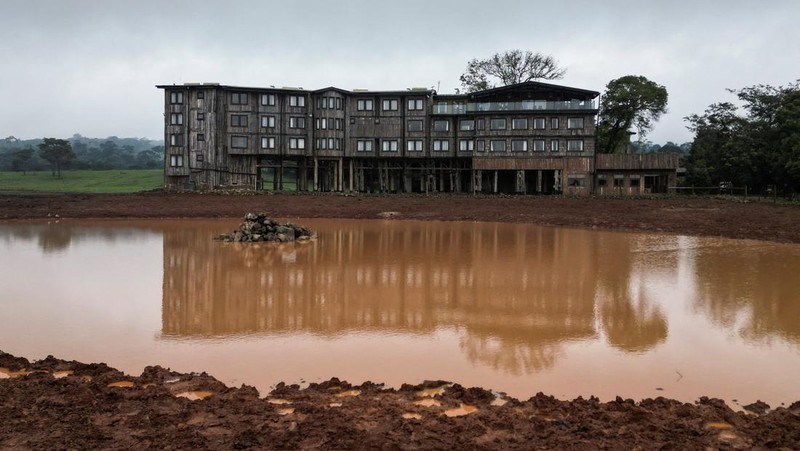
[56, 404]
[760, 220]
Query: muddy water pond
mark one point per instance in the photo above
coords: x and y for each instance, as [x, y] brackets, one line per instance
[515, 308]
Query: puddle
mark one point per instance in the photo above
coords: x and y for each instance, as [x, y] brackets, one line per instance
[286, 411]
[431, 392]
[348, 393]
[412, 416]
[120, 384]
[465, 409]
[335, 404]
[278, 401]
[427, 403]
[5, 373]
[173, 380]
[718, 425]
[195, 395]
[62, 374]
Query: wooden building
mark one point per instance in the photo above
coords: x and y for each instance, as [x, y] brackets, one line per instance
[526, 138]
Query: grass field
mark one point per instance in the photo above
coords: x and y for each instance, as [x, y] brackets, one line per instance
[115, 181]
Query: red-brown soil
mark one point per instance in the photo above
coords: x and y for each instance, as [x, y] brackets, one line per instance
[81, 409]
[689, 216]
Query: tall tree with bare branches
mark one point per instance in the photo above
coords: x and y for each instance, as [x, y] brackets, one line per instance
[508, 68]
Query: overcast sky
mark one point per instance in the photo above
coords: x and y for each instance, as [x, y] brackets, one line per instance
[90, 67]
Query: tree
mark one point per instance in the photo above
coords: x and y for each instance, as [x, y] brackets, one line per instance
[629, 101]
[510, 67]
[58, 152]
[758, 149]
[21, 159]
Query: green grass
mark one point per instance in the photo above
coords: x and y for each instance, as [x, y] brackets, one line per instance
[115, 181]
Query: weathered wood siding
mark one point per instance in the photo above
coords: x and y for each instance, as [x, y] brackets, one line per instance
[666, 161]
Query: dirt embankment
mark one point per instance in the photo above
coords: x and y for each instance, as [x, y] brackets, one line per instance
[688, 216]
[55, 404]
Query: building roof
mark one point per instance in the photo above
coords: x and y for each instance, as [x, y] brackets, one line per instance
[409, 91]
[534, 85]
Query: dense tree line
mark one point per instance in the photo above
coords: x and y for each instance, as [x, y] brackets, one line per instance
[759, 148]
[87, 153]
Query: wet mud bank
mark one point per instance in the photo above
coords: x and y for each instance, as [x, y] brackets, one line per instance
[56, 404]
[679, 215]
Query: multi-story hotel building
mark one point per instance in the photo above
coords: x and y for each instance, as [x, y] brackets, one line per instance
[526, 138]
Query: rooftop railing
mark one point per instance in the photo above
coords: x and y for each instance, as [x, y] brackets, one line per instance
[525, 105]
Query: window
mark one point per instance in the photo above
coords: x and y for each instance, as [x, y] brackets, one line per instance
[176, 140]
[297, 122]
[539, 123]
[619, 181]
[466, 145]
[199, 157]
[364, 105]
[267, 142]
[364, 145]
[298, 101]
[520, 145]
[322, 143]
[481, 125]
[176, 161]
[441, 108]
[338, 124]
[575, 145]
[634, 181]
[390, 105]
[239, 142]
[554, 123]
[200, 96]
[520, 124]
[238, 98]
[201, 137]
[297, 143]
[322, 103]
[415, 126]
[322, 123]
[268, 121]
[497, 145]
[553, 145]
[481, 145]
[415, 104]
[238, 120]
[441, 145]
[466, 125]
[414, 145]
[575, 122]
[601, 180]
[332, 143]
[176, 98]
[268, 99]
[441, 126]
[538, 145]
[576, 181]
[201, 116]
[176, 119]
[498, 124]
[390, 145]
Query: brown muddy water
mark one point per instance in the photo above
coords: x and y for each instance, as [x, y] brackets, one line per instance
[515, 308]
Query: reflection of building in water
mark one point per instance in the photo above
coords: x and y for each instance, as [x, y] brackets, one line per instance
[764, 287]
[518, 292]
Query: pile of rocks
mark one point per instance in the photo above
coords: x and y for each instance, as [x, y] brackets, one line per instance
[258, 228]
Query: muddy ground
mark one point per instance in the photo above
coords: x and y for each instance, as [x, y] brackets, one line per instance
[55, 404]
[761, 220]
